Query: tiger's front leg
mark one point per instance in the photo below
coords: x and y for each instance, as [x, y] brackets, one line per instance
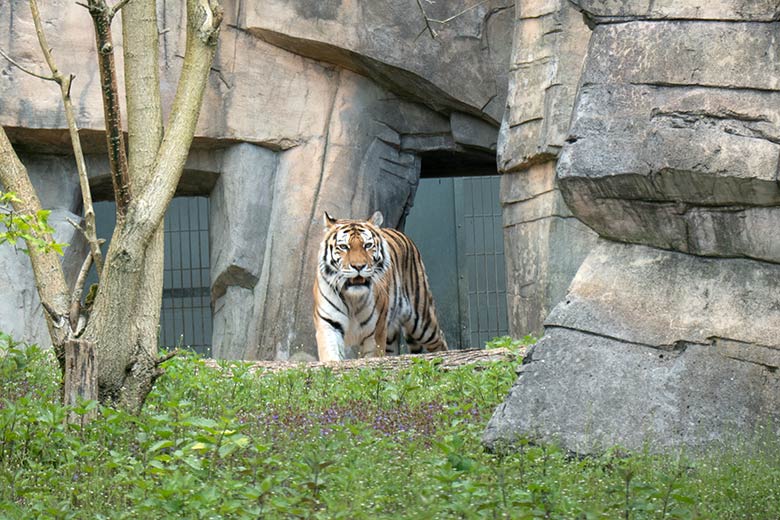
[372, 347]
[376, 344]
[367, 349]
[330, 341]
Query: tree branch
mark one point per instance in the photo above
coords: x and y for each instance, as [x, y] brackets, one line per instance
[116, 8]
[117, 157]
[23, 69]
[75, 139]
[447, 360]
[427, 20]
[203, 22]
[78, 290]
[141, 36]
[142, 88]
[451, 18]
[162, 359]
[55, 73]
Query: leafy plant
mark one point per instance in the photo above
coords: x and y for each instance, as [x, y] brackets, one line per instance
[510, 343]
[19, 227]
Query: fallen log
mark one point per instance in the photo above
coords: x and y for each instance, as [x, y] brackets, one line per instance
[446, 360]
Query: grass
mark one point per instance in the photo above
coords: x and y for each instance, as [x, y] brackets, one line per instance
[367, 444]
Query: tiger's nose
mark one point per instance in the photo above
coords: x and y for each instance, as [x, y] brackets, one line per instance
[358, 267]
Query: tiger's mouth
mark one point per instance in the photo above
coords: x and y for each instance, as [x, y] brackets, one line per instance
[357, 281]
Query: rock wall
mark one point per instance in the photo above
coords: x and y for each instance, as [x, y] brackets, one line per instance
[549, 243]
[668, 334]
[311, 106]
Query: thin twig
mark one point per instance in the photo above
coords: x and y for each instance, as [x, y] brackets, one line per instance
[118, 7]
[70, 79]
[451, 18]
[58, 319]
[51, 312]
[25, 70]
[427, 20]
[100, 241]
[78, 289]
[77, 226]
[166, 357]
[92, 239]
[423, 31]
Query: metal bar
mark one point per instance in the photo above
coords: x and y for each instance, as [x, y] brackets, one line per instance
[187, 206]
[460, 246]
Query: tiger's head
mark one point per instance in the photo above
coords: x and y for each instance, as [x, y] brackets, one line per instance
[353, 254]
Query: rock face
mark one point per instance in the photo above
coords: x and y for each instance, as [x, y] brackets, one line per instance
[459, 64]
[312, 106]
[549, 243]
[668, 335]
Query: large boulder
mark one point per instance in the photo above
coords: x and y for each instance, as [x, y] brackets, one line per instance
[693, 148]
[668, 334]
[651, 348]
[602, 11]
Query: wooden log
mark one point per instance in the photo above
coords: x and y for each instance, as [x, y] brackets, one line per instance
[447, 360]
[80, 379]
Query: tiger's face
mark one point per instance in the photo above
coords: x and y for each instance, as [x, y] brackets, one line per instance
[354, 254]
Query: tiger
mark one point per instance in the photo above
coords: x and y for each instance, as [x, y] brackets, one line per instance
[371, 287]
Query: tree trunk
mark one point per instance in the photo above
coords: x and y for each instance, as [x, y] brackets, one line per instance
[447, 360]
[145, 133]
[125, 315]
[81, 372]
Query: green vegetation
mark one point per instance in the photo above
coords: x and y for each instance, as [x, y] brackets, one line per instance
[313, 444]
[510, 343]
[32, 228]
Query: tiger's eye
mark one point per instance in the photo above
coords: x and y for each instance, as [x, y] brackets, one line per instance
[343, 247]
[368, 246]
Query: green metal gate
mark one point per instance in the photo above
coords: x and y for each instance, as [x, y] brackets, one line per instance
[456, 223]
[185, 317]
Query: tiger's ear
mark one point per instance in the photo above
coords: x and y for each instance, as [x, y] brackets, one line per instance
[377, 219]
[328, 221]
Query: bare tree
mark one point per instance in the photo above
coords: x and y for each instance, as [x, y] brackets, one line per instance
[145, 170]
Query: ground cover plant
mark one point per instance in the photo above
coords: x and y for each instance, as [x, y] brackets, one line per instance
[368, 443]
